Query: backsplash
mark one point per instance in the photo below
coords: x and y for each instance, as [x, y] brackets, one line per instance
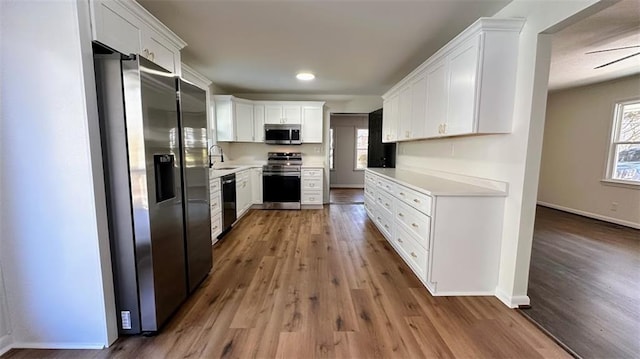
[256, 153]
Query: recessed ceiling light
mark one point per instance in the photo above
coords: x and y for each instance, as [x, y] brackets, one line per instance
[305, 76]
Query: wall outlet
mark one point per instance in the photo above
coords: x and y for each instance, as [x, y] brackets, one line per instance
[614, 206]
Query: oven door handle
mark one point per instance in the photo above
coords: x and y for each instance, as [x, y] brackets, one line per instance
[281, 174]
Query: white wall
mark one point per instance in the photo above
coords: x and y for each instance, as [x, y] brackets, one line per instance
[513, 158]
[54, 245]
[256, 153]
[344, 132]
[574, 155]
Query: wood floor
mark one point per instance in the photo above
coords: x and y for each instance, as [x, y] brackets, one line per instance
[584, 284]
[325, 284]
[346, 195]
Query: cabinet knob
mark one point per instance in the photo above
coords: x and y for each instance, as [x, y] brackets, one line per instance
[414, 225]
[414, 255]
[152, 56]
[416, 200]
[400, 214]
[400, 240]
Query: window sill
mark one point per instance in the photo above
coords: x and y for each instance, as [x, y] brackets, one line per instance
[620, 183]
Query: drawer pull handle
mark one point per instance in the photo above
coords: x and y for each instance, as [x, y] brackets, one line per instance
[402, 193]
[312, 185]
[416, 200]
[215, 227]
[400, 214]
[414, 225]
[385, 226]
[386, 204]
[414, 255]
[312, 198]
[400, 240]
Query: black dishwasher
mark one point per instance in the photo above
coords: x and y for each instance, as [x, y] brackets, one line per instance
[228, 202]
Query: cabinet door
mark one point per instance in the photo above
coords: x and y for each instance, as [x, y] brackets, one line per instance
[311, 124]
[159, 51]
[390, 119]
[116, 27]
[225, 131]
[418, 105]
[292, 114]
[404, 114]
[258, 123]
[437, 90]
[463, 63]
[256, 185]
[244, 122]
[273, 114]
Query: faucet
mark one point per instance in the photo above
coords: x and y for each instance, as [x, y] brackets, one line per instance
[211, 155]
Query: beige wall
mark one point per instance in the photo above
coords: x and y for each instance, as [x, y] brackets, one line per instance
[574, 154]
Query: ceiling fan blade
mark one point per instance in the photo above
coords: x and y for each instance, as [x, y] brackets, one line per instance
[618, 60]
[613, 49]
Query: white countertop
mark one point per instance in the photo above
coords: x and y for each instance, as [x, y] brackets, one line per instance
[433, 185]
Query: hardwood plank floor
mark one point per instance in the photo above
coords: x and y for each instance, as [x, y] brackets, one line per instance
[323, 283]
[346, 195]
[584, 284]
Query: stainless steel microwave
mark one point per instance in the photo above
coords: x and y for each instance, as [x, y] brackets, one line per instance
[282, 134]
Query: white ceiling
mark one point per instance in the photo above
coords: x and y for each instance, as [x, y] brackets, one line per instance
[615, 26]
[355, 47]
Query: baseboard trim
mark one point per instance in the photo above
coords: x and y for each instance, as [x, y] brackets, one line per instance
[6, 344]
[53, 345]
[512, 301]
[347, 186]
[591, 215]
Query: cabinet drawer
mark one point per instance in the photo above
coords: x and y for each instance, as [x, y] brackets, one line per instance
[414, 221]
[369, 206]
[215, 204]
[312, 172]
[415, 199]
[384, 223]
[216, 226]
[385, 185]
[385, 202]
[311, 184]
[311, 197]
[415, 256]
[370, 190]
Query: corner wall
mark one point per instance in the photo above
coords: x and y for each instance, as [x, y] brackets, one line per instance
[574, 154]
[54, 249]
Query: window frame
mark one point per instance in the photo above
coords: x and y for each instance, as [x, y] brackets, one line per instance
[355, 151]
[614, 142]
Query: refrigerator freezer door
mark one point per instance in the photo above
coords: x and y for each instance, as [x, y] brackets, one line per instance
[197, 218]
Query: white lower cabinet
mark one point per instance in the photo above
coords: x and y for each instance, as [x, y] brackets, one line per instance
[450, 240]
[311, 187]
[215, 203]
[256, 185]
[243, 192]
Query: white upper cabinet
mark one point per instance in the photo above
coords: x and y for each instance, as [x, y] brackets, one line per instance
[258, 123]
[278, 113]
[436, 99]
[240, 120]
[465, 88]
[462, 64]
[404, 113]
[312, 124]
[390, 118]
[244, 121]
[418, 106]
[127, 27]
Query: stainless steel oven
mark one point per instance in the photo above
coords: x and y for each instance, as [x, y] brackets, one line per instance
[281, 181]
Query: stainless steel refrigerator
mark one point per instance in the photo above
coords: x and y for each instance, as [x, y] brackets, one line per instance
[156, 184]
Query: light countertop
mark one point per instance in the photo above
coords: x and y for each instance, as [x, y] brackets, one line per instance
[221, 170]
[433, 185]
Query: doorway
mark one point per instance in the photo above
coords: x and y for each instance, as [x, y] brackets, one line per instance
[585, 256]
[348, 152]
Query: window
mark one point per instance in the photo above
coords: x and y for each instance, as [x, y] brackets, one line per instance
[362, 148]
[331, 146]
[624, 152]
